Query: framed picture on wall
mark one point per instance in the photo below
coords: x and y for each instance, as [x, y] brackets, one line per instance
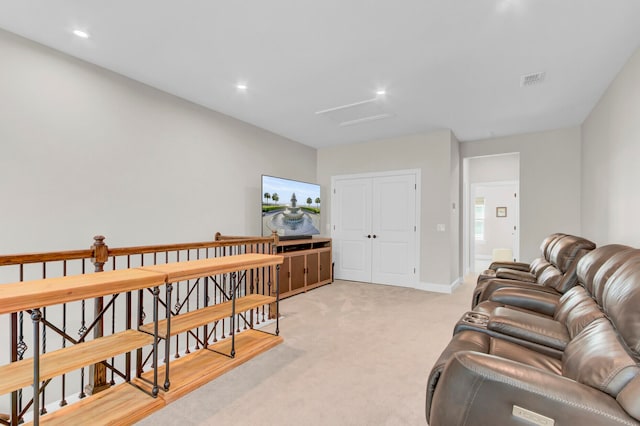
[501, 212]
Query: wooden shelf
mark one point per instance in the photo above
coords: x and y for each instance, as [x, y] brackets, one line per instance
[123, 404]
[25, 295]
[20, 374]
[191, 371]
[197, 318]
[180, 271]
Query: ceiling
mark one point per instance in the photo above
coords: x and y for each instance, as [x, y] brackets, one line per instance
[454, 64]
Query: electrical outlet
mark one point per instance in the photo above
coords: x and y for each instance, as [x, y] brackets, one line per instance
[440, 227]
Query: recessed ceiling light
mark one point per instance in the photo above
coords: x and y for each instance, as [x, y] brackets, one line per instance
[241, 86]
[381, 92]
[81, 34]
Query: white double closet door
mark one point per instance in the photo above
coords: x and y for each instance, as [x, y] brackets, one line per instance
[374, 227]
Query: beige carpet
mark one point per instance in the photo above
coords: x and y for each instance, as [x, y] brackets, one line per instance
[353, 354]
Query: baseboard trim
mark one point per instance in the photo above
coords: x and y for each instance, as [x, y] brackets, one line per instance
[440, 288]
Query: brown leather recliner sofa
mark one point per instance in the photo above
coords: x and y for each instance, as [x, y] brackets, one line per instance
[564, 252]
[581, 365]
[519, 270]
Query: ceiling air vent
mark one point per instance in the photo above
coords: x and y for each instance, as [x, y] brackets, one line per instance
[357, 113]
[532, 79]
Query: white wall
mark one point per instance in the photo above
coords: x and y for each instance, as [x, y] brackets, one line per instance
[432, 154]
[610, 154]
[86, 151]
[549, 182]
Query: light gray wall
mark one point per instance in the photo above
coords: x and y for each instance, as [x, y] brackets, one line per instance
[549, 182]
[610, 154]
[86, 151]
[431, 153]
[494, 168]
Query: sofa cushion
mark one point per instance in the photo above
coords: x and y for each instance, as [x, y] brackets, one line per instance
[597, 358]
[621, 302]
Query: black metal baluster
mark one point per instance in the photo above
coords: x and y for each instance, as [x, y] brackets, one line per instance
[233, 315]
[167, 340]
[43, 407]
[35, 317]
[187, 351]
[141, 317]
[156, 292]
[277, 300]
[81, 331]
[198, 302]
[63, 401]
[127, 357]
[177, 307]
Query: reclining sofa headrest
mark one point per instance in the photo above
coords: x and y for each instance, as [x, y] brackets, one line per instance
[547, 244]
[598, 263]
[567, 250]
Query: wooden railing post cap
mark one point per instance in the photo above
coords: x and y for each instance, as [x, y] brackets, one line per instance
[100, 251]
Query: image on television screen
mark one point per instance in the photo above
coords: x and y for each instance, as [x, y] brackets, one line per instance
[290, 208]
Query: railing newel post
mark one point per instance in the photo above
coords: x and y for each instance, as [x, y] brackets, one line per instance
[98, 372]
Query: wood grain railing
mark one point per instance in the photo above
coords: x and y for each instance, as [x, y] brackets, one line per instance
[89, 318]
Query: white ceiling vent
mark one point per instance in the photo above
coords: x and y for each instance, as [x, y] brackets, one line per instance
[357, 112]
[532, 79]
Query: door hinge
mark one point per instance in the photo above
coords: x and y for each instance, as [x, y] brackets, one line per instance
[415, 186]
[515, 195]
[414, 270]
[334, 190]
[415, 229]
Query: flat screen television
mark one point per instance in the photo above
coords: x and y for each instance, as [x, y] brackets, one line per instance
[291, 208]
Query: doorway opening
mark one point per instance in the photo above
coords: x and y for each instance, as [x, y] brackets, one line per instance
[491, 210]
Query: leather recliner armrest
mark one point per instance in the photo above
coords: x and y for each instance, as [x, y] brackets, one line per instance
[485, 290]
[514, 274]
[529, 327]
[480, 389]
[520, 266]
[525, 298]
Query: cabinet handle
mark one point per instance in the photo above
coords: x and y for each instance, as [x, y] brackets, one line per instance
[369, 236]
[375, 236]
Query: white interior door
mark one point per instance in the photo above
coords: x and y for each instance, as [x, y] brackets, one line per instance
[497, 227]
[374, 228]
[394, 230]
[351, 225]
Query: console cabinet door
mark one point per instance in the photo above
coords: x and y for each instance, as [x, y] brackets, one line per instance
[325, 265]
[312, 269]
[297, 272]
[285, 276]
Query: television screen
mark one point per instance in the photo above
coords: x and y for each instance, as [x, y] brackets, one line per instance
[290, 208]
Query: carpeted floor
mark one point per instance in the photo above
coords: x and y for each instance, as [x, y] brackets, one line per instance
[353, 354]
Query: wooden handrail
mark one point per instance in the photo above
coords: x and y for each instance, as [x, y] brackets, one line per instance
[17, 259]
[90, 253]
[123, 251]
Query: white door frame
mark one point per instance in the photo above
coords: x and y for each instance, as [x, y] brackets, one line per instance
[417, 173]
[467, 245]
